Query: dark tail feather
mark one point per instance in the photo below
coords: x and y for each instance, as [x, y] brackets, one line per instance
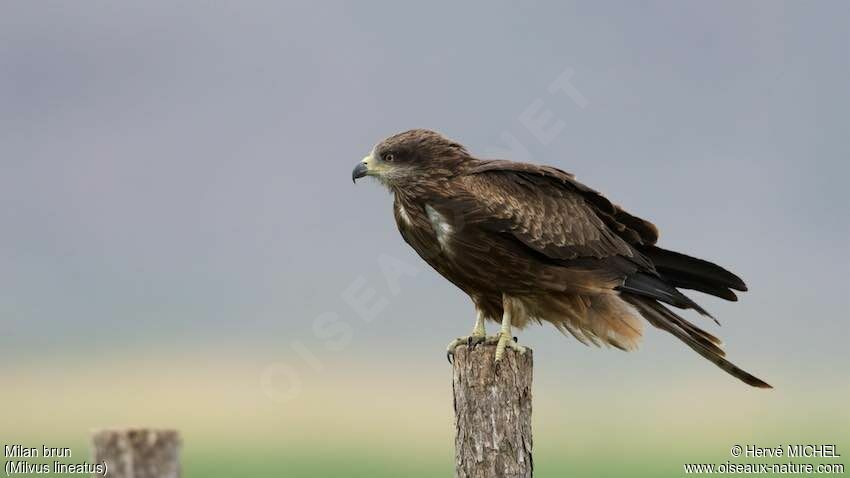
[685, 282]
[654, 287]
[699, 340]
[689, 272]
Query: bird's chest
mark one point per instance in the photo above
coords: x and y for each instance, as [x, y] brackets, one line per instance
[451, 241]
[431, 231]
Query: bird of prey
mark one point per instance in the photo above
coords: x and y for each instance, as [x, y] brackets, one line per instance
[530, 243]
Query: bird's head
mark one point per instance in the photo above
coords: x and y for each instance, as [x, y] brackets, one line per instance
[410, 158]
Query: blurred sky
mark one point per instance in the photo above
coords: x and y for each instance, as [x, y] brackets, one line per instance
[177, 174]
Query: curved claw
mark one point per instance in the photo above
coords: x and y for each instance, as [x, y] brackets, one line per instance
[505, 342]
[471, 341]
[501, 341]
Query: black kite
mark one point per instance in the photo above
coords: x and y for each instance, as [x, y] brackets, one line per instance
[530, 243]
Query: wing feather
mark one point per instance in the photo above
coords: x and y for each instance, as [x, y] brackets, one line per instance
[634, 230]
[550, 212]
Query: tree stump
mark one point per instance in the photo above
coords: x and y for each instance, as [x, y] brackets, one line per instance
[138, 453]
[492, 405]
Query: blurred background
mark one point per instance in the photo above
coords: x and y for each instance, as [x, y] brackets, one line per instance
[182, 245]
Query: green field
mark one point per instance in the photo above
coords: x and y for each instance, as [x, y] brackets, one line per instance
[344, 424]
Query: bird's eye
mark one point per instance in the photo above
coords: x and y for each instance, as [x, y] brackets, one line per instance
[389, 157]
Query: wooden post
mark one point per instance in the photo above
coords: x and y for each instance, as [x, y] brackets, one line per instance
[138, 453]
[492, 413]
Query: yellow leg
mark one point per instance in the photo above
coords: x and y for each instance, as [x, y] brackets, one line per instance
[478, 329]
[478, 335]
[505, 337]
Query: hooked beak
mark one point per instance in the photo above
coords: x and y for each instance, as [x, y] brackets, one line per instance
[362, 169]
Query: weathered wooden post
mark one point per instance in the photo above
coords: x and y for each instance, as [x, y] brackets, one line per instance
[492, 413]
[138, 453]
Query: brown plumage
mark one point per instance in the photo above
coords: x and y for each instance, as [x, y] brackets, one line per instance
[559, 251]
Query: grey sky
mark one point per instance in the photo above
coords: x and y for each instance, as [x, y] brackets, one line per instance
[181, 172]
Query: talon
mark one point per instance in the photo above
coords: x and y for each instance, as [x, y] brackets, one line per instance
[450, 350]
[470, 341]
[476, 340]
[500, 347]
[505, 342]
